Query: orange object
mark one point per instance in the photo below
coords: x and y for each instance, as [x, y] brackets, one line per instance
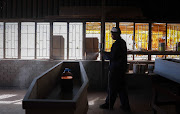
[66, 77]
[66, 81]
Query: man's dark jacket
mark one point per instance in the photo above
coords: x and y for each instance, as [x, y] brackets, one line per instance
[118, 56]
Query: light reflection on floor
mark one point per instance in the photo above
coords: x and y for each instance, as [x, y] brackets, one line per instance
[7, 99]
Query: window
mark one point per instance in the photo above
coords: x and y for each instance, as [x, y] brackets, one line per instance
[108, 39]
[11, 45]
[27, 40]
[93, 30]
[141, 39]
[75, 40]
[43, 40]
[60, 29]
[158, 36]
[1, 39]
[173, 37]
[127, 32]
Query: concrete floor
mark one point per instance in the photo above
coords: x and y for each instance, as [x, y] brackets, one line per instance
[10, 102]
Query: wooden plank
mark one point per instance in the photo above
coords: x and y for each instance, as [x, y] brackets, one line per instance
[61, 3]
[66, 2]
[45, 7]
[29, 8]
[9, 8]
[24, 9]
[39, 7]
[4, 11]
[84, 39]
[34, 9]
[4, 41]
[1, 12]
[14, 8]
[149, 41]
[35, 52]
[55, 7]
[19, 40]
[51, 40]
[50, 8]
[19, 8]
[154, 52]
[67, 40]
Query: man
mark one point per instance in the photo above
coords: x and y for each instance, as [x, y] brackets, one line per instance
[117, 70]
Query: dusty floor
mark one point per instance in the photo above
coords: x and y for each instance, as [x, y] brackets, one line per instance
[10, 102]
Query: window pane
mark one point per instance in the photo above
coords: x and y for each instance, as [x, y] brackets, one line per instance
[173, 37]
[43, 39]
[27, 40]
[11, 40]
[158, 36]
[93, 30]
[108, 41]
[172, 56]
[127, 31]
[1, 38]
[153, 57]
[75, 40]
[141, 39]
[60, 29]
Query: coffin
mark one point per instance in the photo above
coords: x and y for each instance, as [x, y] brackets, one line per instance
[168, 68]
[44, 95]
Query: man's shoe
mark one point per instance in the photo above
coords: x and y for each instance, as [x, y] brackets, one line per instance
[125, 109]
[106, 106]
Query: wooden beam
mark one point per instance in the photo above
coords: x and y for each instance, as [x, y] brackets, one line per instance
[19, 40]
[50, 8]
[55, 7]
[29, 8]
[67, 40]
[150, 40]
[51, 40]
[34, 9]
[45, 8]
[134, 30]
[166, 40]
[35, 52]
[102, 39]
[14, 8]
[19, 8]
[24, 9]
[4, 41]
[9, 8]
[84, 39]
[39, 7]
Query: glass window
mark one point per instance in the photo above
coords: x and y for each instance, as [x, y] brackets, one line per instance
[158, 36]
[27, 40]
[153, 57]
[127, 32]
[173, 37]
[93, 30]
[11, 40]
[141, 39]
[127, 29]
[43, 40]
[1, 39]
[108, 39]
[75, 40]
[60, 29]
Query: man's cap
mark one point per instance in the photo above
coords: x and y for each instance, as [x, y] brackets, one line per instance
[116, 30]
